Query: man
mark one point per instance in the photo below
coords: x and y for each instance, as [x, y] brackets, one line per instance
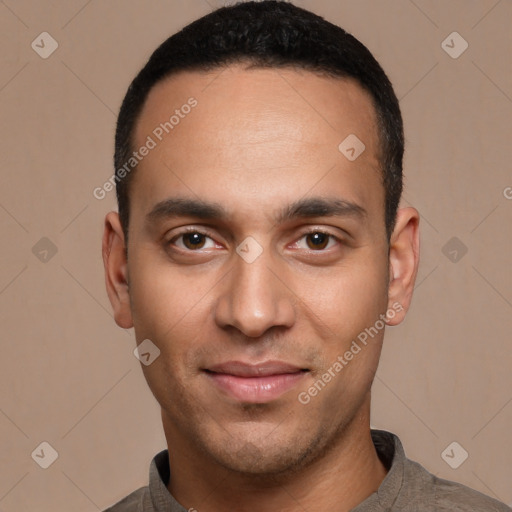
[259, 253]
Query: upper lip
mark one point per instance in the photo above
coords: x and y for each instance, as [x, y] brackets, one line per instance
[266, 368]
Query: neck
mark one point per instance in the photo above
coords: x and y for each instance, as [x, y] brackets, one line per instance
[339, 479]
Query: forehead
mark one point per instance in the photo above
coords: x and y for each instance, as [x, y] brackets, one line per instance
[244, 95]
[257, 133]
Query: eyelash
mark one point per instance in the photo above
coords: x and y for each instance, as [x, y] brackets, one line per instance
[199, 232]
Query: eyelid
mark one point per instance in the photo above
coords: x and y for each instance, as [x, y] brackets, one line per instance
[317, 229]
[334, 232]
[192, 229]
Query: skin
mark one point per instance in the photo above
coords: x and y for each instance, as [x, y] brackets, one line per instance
[259, 140]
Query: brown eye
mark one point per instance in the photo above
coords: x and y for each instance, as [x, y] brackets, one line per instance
[194, 240]
[317, 240]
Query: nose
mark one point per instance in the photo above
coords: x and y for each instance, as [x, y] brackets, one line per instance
[255, 297]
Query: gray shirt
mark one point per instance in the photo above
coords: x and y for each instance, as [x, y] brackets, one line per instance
[406, 487]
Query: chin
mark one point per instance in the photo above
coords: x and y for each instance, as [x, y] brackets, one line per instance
[269, 458]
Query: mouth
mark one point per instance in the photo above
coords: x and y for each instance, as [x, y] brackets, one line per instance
[255, 383]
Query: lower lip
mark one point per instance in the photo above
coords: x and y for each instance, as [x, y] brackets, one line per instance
[256, 389]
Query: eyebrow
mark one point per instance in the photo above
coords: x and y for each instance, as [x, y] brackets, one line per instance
[321, 207]
[303, 208]
[183, 207]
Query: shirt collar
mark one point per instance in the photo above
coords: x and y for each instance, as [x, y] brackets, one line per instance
[391, 453]
[159, 474]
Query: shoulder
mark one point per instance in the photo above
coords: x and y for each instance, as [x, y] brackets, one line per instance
[445, 495]
[451, 494]
[131, 503]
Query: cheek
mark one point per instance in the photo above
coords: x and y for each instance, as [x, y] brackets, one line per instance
[173, 313]
[163, 297]
[178, 330]
[346, 314]
[349, 298]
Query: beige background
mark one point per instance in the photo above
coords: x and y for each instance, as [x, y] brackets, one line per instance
[67, 372]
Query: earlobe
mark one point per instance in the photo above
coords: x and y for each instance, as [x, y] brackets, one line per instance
[403, 263]
[116, 275]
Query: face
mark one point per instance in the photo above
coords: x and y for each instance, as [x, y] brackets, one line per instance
[257, 257]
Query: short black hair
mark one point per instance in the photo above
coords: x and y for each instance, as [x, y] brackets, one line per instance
[267, 34]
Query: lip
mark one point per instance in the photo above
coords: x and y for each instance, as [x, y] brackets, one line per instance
[255, 383]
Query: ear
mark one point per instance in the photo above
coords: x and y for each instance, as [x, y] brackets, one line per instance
[404, 255]
[116, 275]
